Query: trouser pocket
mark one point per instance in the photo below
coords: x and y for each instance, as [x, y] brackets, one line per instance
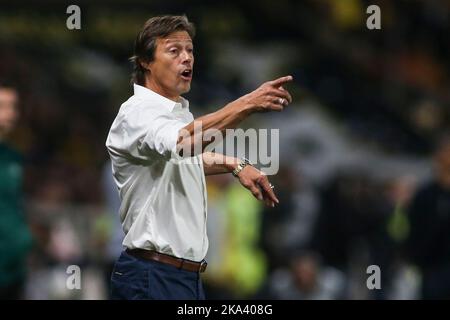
[129, 279]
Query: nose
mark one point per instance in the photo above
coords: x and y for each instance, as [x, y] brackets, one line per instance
[186, 57]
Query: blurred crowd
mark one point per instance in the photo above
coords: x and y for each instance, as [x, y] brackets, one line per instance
[364, 149]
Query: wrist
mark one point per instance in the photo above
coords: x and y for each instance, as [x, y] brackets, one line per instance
[245, 106]
[240, 166]
[232, 164]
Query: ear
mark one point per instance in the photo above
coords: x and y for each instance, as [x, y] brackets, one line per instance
[146, 65]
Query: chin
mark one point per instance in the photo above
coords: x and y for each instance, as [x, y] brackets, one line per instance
[185, 89]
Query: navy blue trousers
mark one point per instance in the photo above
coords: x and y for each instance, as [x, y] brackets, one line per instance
[137, 279]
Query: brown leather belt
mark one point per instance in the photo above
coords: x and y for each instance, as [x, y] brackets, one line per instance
[167, 259]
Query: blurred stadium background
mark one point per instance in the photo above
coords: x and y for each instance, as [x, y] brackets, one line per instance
[355, 146]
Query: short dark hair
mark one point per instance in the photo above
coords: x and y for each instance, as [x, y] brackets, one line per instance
[145, 44]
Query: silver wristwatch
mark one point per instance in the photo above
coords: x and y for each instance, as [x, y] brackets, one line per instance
[244, 162]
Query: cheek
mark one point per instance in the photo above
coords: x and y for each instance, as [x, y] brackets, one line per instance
[170, 72]
[171, 64]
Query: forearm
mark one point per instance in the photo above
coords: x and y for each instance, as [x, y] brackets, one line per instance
[216, 163]
[226, 118]
[192, 137]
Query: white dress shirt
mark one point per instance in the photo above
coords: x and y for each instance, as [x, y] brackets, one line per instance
[163, 196]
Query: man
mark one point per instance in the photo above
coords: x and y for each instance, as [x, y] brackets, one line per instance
[15, 238]
[159, 166]
[428, 244]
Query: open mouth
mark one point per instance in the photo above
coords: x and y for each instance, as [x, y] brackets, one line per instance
[187, 74]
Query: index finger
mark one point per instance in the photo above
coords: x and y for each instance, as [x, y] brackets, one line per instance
[280, 81]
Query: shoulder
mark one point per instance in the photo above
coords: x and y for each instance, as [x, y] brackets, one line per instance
[136, 117]
[137, 110]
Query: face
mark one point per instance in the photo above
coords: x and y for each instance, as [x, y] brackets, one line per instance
[172, 68]
[305, 273]
[8, 110]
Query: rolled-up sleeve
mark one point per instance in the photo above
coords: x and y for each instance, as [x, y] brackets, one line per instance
[144, 132]
[162, 136]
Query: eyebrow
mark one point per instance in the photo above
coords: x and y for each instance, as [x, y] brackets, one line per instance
[172, 40]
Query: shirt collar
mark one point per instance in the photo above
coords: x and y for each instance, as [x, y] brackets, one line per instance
[148, 94]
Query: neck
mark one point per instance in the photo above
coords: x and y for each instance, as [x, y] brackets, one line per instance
[156, 87]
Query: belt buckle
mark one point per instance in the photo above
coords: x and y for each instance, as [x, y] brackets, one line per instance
[203, 265]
